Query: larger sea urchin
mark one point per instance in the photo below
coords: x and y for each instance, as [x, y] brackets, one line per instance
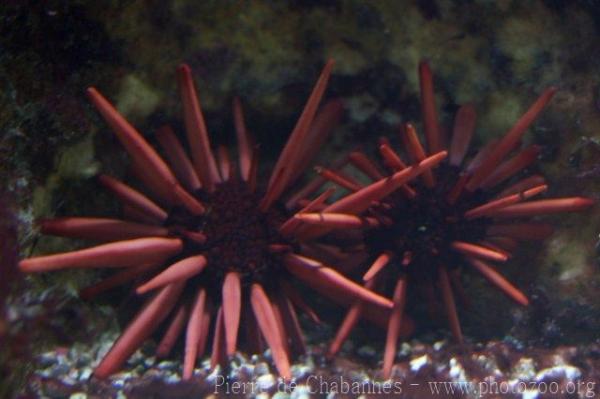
[423, 234]
[212, 245]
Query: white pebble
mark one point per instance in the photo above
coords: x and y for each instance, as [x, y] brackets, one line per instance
[265, 382]
[524, 370]
[559, 372]
[261, 368]
[301, 392]
[301, 371]
[530, 394]
[457, 372]
[417, 363]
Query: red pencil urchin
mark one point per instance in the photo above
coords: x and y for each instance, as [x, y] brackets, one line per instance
[212, 243]
[425, 232]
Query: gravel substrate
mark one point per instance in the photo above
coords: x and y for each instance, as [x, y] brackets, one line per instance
[438, 370]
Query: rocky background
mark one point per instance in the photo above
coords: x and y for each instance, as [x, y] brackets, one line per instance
[498, 55]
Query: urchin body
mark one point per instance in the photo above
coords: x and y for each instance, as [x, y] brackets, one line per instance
[238, 234]
[424, 239]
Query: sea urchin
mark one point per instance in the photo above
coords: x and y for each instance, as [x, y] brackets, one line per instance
[213, 245]
[424, 233]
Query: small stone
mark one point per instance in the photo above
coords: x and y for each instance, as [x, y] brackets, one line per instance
[103, 350]
[301, 371]
[267, 354]
[488, 363]
[118, 383]
[524, 370]
[167, 365]
[69, 380]
[517, 344]
[47, 359]
[419, 362]
[61, 357]
[58, 370]
[558, 373]
[265, 383]
[366, 351]
[46, 373]
[558, 360]
[246, 370]
[530, 394]
[457, 371]
[137, 357]
[301, 392]
[138, 370]
[72, 377]
[405, 349]
[205, 364]
[438, 345]
[358, 376]
[214, 375]
[239, 359]
[149, 361]
[154, 373]
[261, 368]
[172, 378]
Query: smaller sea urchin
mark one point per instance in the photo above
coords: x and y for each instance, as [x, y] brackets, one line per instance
[424, 233]
[213, 245]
